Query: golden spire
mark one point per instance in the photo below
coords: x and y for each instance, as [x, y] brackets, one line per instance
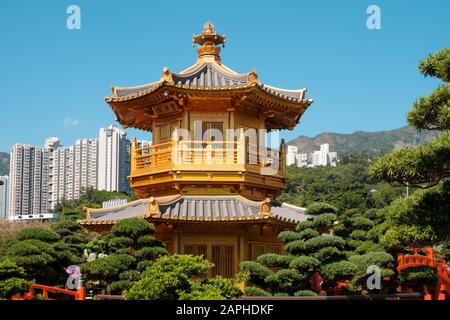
[208, 41]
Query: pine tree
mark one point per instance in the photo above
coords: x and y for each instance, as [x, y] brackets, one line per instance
[422, 218]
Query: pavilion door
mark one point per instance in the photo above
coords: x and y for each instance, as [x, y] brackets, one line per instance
[222, 255]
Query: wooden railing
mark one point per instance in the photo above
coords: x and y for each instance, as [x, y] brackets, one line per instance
[80, 294]
[206, 153]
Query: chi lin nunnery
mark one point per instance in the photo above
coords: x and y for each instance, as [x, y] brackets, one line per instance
[208, 183]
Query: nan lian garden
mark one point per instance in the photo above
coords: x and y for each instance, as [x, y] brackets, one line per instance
[217, 214]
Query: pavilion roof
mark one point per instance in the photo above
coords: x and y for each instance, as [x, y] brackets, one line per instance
[214, 209]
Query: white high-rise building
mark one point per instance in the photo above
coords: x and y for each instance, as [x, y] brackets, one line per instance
[332, 159]
[291, 155]
[4, 197]
[73, 169]
[302, 160]
[28, 180]
[113, 160]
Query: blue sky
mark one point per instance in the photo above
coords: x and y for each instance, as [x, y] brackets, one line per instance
[53, 80]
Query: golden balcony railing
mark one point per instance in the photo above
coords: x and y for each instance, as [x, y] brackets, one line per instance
[207, 155]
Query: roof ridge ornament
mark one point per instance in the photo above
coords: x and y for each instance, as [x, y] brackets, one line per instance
[252, 77]
[265, 208]
[153, 208]
[166, 75]
[209, 42]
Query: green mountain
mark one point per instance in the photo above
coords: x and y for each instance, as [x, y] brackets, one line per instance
[4, 163]
[372, 143]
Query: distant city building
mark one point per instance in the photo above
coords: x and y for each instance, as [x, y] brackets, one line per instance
[28, 180]
[322, 157]
[302, 160]
[291, 155]
[40, 178]
[113, 160]
[73, 169]
[4, 197]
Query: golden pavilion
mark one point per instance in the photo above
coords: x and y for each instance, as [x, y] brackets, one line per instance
[208, 182]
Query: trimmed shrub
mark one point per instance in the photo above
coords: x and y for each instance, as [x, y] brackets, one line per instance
[288, 236]
[275, 260]
[305, 264]
[36, 233]
[319, 208]
[305, 293]
[256, 292]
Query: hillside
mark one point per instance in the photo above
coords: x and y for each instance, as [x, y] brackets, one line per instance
[4, 163]
[372, 143]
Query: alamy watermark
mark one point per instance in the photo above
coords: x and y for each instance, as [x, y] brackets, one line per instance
[373, 22]
[73, 21]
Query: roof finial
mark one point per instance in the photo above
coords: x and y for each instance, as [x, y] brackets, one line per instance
[208, 41]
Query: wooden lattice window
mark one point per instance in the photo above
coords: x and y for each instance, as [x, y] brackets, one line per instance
[223, 259]
[195, 249]
[260, 249]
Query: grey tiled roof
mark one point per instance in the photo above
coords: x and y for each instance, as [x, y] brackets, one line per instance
[204, 76]
[198, 208]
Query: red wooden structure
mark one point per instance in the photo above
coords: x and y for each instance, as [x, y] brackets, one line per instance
[442, 290]
[79, 294]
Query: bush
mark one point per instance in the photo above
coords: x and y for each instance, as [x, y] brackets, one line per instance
[150, 253]
[305, 293]
[288, 236]
[361, 223]
[416, 277]
[37, 233]
[275, 260]
[285, 280]
[324, 220]
[308, 224]
[168, 278]
[338, 271]
[308, 234]
[328, 255]
[132, 228]
[120, 243]
[319, 208]
[379, 259]
[358, 235]
[256, 292]
[12, 286]
[118, 287]
[315, 244]
[296, 247]
[305, 264]
[216, 288]
[257, 272]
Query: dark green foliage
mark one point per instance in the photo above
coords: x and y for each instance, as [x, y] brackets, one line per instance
[150, 253]
[339, 271]
[285, 280]
[288, 236]
[329, 254]
[416, 277]
[380, 259]
[317, 243]
[308, 224]
[296, 247]
[120, 243]
[217, 288]
[358, 235]
[144, 264]
[319, 208]
[305, 264]
[132, 228]
[256, 292]
[324, 221]
[308, 234]
[108, 269]
[172, 277]
[117, 287]
[275, 260]
[130, 247]
[422, 218]
[12, 279]
[305, 293]
[258, 273]
[37, 233]
[361, 223]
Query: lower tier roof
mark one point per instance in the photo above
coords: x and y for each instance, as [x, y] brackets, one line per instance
[198, 209]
